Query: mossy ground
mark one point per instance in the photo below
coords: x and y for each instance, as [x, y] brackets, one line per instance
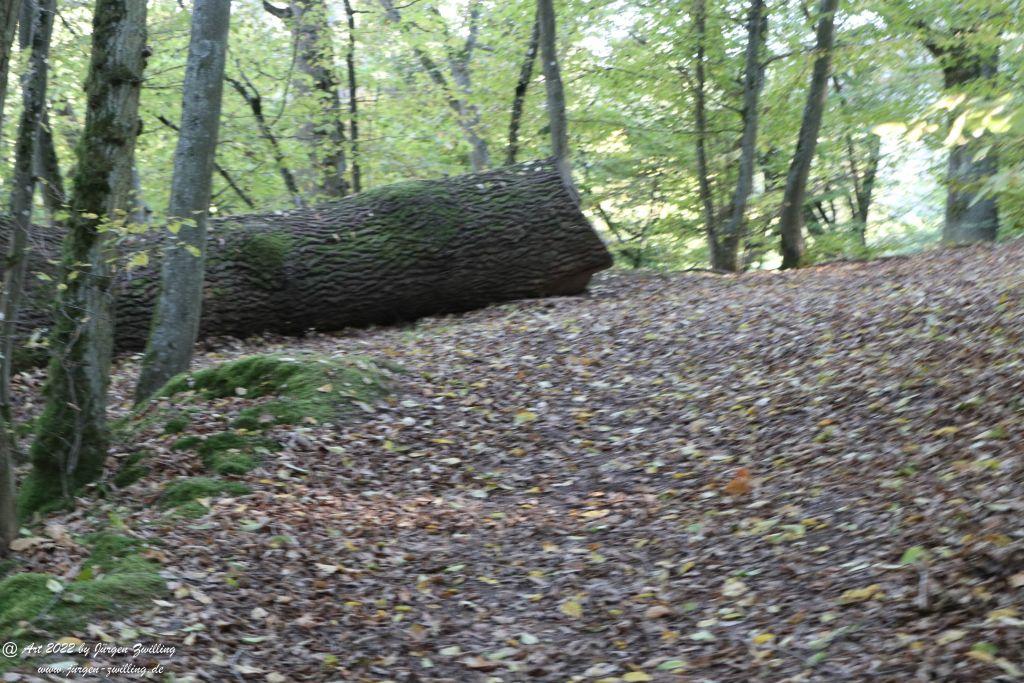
[231, 452]
[40, 607]
[132, 469]
[303, 387]
[186, 490]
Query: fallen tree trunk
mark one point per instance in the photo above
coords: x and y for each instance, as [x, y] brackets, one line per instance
[391, 254]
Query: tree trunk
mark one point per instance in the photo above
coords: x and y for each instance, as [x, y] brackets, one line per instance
[48, 171]
[71, 442]
[23, 188]
[389, 254]
[864, 184]
[178, 308]
[519, 99]
[969, 218]
[324, 135]
[792, 218]
[480, 157]
[555, 92]
[707, 200]
[753, 81]
[353, 102]
[9, 12]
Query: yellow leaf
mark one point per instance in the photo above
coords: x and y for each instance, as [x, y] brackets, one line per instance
[138, 260]
[762, 638]
[636, 677]
[571, 608]
[524, 416]
[596, 514]
[325, 388]
[855, 595]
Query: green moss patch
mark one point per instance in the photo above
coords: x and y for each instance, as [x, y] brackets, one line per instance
[304, 387]
[265, 254]
[228, 452]
[186, 442]
[176, 425]
[191, 510]
[186, 490]
[132, 469]
[114, 578]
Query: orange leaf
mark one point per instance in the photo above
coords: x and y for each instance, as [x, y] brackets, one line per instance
[740, 484]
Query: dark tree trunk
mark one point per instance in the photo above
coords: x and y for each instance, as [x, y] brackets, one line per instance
[309, 21]
[707, 201]
[519, 99]
[33, 92]
[385, 255]
[71, 441]
[864, 184]
[353, 102]
[969, 218]
[727, 253]
[9, 11]
[791, 221]
[48, 171]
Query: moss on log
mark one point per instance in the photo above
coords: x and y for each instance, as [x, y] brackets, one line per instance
[387, 255]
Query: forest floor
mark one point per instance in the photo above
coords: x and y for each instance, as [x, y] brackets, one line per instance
[809, 476]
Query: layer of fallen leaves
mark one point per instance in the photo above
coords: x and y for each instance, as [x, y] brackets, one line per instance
[803, 476]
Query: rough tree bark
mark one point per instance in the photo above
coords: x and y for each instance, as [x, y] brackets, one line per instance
[791, 220]
[324, 135]
[179, 306]
[385, 255]
[555, 92]
[71, 441]
[726, 255]
[23, 188]
[519, 99]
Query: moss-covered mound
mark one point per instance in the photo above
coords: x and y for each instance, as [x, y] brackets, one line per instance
[39, 607]
[304, 388]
